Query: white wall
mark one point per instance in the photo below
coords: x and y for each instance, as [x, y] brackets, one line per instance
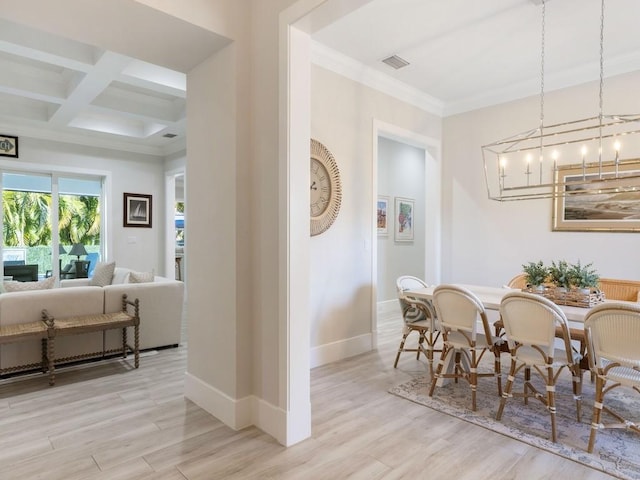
[342, 117]
[137, 248]
[401, 173]
[485, 241]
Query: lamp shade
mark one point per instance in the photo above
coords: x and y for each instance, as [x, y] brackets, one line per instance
[77, 250]
[61, 250]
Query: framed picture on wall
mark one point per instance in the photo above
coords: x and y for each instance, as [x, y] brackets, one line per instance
[137, 210]
[616, 209]
[404, 219]
[383, 215]
[8, 146]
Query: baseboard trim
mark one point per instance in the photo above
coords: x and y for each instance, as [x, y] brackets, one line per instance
[245, 412]
[236, 414]
[332, 352]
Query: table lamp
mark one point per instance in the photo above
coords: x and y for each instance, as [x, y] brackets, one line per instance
[78, 249]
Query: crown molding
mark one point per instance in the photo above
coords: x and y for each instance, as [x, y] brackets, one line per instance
[572, 77]
[341, 64]
[90, 141]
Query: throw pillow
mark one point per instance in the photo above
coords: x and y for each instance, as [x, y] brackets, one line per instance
[120, 276]
[26, 286]
[103, 274]
[141, 277]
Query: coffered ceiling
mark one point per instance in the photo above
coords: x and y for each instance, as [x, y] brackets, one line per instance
[56, 88]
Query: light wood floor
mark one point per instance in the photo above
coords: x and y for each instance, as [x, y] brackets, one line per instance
[105, 421]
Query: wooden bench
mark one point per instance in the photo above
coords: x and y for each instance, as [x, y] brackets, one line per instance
[49, 328]
[95, 323]
[21, 332]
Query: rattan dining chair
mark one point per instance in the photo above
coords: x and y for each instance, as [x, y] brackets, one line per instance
[530, 322]
[418, 316]
[466, 338]
[613, 345]
[519, 281]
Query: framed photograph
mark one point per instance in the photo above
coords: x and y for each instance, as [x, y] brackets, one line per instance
[8, 146]
[383, 215]
[137, 210]
[404, 220]
[614, 205]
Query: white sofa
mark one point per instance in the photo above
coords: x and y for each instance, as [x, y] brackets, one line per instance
[161, 305]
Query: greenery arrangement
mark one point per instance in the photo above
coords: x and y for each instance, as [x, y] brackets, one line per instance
[536, 273]
[561, 274]
[583, 276]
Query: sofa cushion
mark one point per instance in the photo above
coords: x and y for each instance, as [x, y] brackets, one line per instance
[25, 286]
[103, 274]
[120, 275]
[141, 277]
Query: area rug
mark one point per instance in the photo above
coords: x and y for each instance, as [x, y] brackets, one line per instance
[617, 452]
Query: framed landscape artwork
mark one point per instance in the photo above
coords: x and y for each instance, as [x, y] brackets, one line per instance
[137, 210]
[383, 215]
[404, 220]
[614, 205]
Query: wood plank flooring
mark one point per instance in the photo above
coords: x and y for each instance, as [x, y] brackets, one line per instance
[107, 421]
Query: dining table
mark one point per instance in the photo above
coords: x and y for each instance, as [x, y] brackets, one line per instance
[492, 296]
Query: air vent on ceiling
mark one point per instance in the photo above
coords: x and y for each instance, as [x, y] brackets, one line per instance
[395, 62]
[169, 135]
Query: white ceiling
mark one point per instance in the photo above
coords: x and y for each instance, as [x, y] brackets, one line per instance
[463, 54]
[466, 54]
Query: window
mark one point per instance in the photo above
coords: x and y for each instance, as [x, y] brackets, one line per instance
[33, 203]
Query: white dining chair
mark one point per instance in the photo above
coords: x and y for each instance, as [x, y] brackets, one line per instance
[613, 350]
[530, 322]
[466, 338]
[418, 316]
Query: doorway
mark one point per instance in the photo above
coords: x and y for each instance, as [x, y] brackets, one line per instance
[406, 170]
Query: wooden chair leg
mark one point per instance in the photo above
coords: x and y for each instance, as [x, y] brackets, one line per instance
[445, 351]
[527, 381]
[497, 369]
[421, 341]
[507, 389]
[400, 349]
[551, 403]
[597, 411]
[577, 390]
[431, 339]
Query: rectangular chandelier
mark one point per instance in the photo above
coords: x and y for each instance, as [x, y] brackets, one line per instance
[579, 157]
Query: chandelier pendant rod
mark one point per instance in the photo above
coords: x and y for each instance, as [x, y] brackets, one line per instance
[544, 7]
[601, 93]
